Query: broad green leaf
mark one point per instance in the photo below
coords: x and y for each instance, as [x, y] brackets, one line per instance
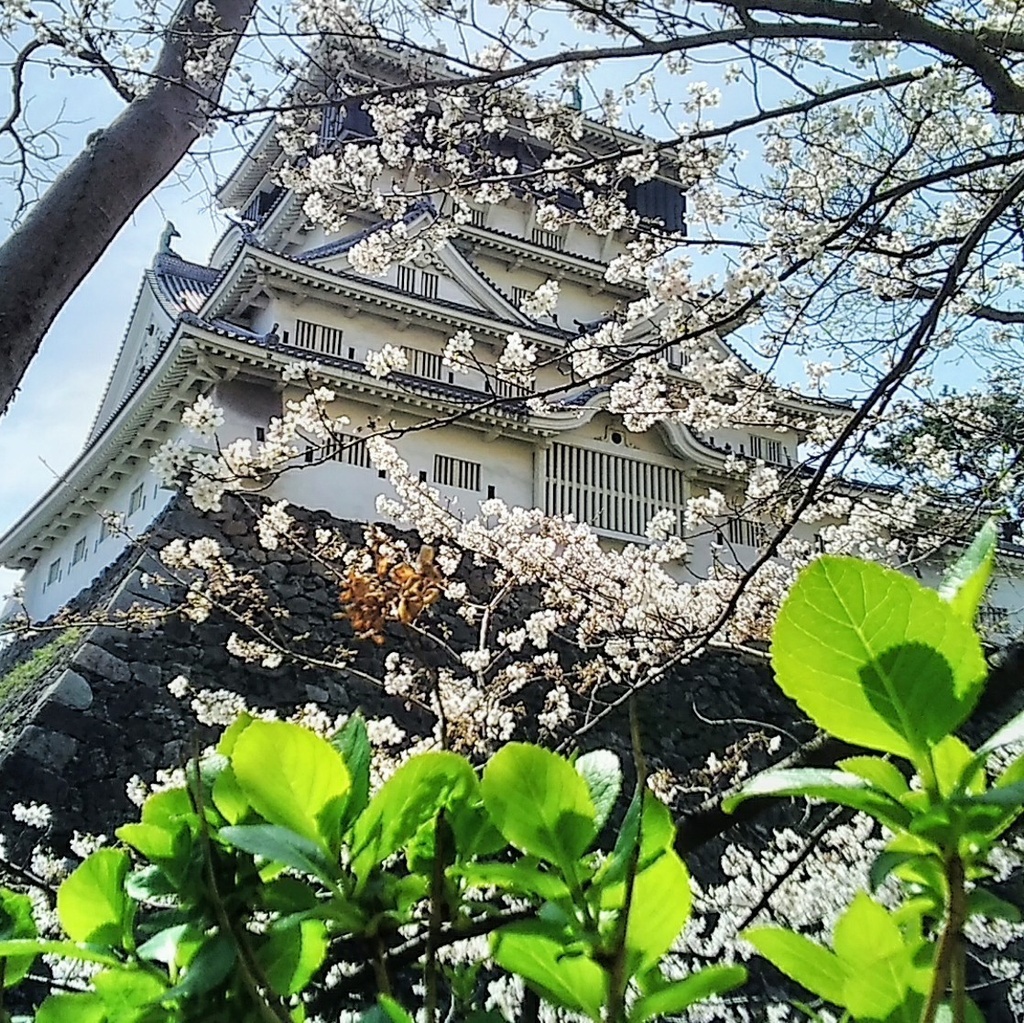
[281, 845]
[387, 1010]
[226, 745]
[353, 743]
[413, 795]
[128, 994]
[882, 774]
[808, 963]
[956, 767]
[602, 772]
[291, 956]
[519, 877]
[168, 809]
[156, 843]
[209, 967]
[565, 977]
[878, 963]
[64, 949]
[91, 902]
[820, 783]
[16, 922]
[163, 946]
[83, 1008]
[875, 658]
[984, 903]
[293, 778]
[539, 803]
[679, 995]
[229, 798]
[965, 581]
[885, 863]
[659, 909]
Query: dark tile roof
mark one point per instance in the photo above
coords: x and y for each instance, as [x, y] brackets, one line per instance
[185, 286]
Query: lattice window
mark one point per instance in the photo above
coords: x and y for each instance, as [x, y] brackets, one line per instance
[137, 499]
[762, 447]
[519, 296]
[407, 278]
[507, 389]
[478, 218]
[78, 554]
[428, 365]
[548, 239]
[456, 472]
[316, 337]
[615, 493]
[746, 532]
[342, 448]
[428, 284]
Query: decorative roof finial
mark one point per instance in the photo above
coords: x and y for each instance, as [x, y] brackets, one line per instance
[170, 231]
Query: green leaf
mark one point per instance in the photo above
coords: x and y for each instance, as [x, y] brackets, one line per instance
[229, 798]
[413, 795]
[66, 949]
[965, 581]
[210, 967]
[564, 976]
[679, 995]
[875, 658]
[1011, 732]
[353, 743]
[956, 767]
[808, 963]
[128, 994]
[387, 1010]
[521, 878]
[820, 783]
[881, 774]
[602, 772]
[878, 964]
[91, 902]
[154, 842]
[291, 956]
[984, 903]
[659, 909]
[16, 921]
[281, 845]
[293, 778]
[163, 946]
[83, 1008]
[539, 803]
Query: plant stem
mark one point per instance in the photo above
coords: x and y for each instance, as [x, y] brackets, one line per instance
[949, 957]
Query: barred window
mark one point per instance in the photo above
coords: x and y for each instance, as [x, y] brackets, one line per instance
[316, 337]
[407, 278]
[762, 447]
[614, 493]
[428, 284]
[137, 499]
[342, 448]
[428, 365]
[478, 218]
[548, 239]
[519, 295]
[456, 472]
[746, 533]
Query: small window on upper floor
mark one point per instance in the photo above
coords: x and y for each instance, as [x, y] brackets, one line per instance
[428, 284]
[456, 472]
[53, 575]
[78, 554]
[407, 278]
[519, 296]
[478, 218]
[137, 499]
[547, 239]
[762, 447]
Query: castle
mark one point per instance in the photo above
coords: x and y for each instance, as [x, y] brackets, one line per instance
[278, 290]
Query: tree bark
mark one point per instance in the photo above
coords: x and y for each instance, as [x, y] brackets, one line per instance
[79, 215]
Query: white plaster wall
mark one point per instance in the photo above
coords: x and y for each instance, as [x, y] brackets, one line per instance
[43, 599]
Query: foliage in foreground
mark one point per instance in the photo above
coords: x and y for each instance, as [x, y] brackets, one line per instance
[275, 867]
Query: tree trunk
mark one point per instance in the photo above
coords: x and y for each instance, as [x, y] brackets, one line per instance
[70, 227]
